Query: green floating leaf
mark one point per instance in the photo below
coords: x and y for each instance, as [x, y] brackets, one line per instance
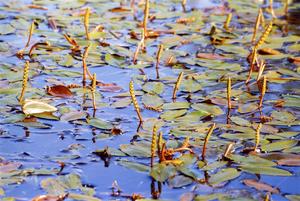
[179, 181]
[122, 103]
[214, 165]
[176, 105]
[161, 172]
[224, 175]
[211, 197]
[279, 145]
[134, 165]
[140, 149]
[152, 100]
[153, 87]
[6, 29]
[98, 123]
[73, 115]
[208, 108]
[283, 116]
[256, 169]
[248, 107]
[190, 86]
[82, 197]
[251, 160]
[240, 121]
[293, 197]
[172, 114]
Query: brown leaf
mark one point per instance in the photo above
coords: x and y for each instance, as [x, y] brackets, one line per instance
[268, 51]
[221, 101]
[260, 186]
[110, 87]
[289, 162]
[116, 131]
[189, 196]
[50, 197]
[209, 56]
[7, 166]
[185, 20]
[59, 91]
[294, 59]
[119, 9]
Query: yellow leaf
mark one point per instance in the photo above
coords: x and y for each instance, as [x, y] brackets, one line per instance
[30, 107]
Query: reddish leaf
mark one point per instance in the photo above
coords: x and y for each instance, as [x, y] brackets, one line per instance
[110, 87]
[119, 9]
[295, 60]
[260, 186]
[209, 56]
[268, 51]
[50, 197]
[59, 91]
[289, 162]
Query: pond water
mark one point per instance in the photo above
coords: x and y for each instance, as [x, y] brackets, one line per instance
[90, 154]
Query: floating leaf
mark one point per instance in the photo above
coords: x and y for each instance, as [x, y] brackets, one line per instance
[153, 87]
[6, 167]
[172, 114]
[255, 169]
[279, 145]
[179, 181]
[50, 197]
[161, 172]
[59, 91]
[260, 186]
[223, 175]
[141, 149]
[98, 123]
[289, 162]
[134, 165]
[35, 107]
[240, 121]
[208, 108]
[73, 115]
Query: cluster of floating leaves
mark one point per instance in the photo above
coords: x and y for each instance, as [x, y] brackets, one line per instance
[178, 75]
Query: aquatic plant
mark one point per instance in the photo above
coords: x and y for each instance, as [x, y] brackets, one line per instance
[206, 139]
[134, 101]
[86, 21]
[158, 55]
[177, 84]
[24, 82]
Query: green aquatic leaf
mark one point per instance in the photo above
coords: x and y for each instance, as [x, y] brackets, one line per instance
[152, 100]
[140, 149]
[161, 172]
[240, 121]
[6, 29]
[134, 165]
[223, 175]
[266, 170]
[179, 181]
[153, 87]
[172, 114]
[279, 145]
[176, 105]
[122, 103]
[208, 108]
[99, 123]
